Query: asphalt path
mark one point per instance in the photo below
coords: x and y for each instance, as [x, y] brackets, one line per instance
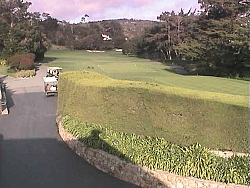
[32, 154]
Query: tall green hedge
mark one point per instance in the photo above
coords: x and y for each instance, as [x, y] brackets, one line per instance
[181, 116]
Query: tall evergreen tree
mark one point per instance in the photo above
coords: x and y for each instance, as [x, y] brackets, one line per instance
[162, 40]
[17, 32]
[218, 40]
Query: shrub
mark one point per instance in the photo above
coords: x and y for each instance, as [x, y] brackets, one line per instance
[2, 62]
[21, 61]
[179, 115]
[26, 73]
[108, 111]
[13, 61]
[26, 64]
[31, 56]
[158, 154]
[11, 70]
[84, 78]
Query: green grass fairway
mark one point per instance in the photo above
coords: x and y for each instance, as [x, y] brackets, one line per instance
[3, 70]
[118, 66]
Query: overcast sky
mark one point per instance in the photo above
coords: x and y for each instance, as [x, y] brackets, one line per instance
[73, 10]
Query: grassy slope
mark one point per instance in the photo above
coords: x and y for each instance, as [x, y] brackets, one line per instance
[147, 109]
[3, 69]
[116, 65]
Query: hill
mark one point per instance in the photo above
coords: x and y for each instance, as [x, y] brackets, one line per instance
[90, 35]
[132, 28]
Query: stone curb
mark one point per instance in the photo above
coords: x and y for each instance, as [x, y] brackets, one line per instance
[3, 99]
[140, 176]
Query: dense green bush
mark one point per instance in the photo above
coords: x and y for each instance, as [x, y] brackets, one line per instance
[157, 153]
[11, 70]
[179, 115]
[155, 125]
[85, 78]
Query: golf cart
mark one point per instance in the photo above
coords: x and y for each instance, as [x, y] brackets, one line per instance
[51, 80]
[53, 71]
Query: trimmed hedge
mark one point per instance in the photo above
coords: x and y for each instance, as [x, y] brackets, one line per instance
[105, 113]
[148, 109]
[158, 154]
[156, 126]
[92, 79]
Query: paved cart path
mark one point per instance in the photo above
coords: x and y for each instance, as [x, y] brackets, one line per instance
[32, 155]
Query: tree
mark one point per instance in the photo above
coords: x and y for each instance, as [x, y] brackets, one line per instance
[131, 46]
[162, 40]
[49, 26]
[17, 31]
[219, 40]
[83, 19]
[114, 30]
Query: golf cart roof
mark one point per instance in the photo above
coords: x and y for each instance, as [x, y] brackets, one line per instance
[54, 68]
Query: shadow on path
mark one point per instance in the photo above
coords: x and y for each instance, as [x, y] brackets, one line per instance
[94, 141]
[48, 59]
[10, 102]
[48, 163]
[33, 155]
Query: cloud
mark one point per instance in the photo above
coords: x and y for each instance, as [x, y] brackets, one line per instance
[108, 9]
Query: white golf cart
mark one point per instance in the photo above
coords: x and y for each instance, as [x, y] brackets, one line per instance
[51, 80]
[50, 85]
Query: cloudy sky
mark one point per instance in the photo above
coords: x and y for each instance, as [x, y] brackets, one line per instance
[73, 10]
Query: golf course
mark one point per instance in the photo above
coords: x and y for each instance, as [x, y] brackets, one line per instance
[143, 111]
[211, 111]
[118, 66]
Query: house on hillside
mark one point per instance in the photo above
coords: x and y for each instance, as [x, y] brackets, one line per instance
[106, 37]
